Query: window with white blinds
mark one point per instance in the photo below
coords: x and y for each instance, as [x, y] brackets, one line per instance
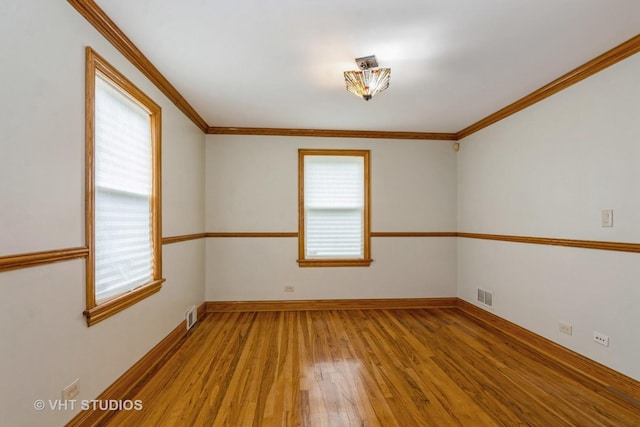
[334, 207]
[123, 172]
[123, 197]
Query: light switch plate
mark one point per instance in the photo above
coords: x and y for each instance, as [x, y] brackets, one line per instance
[607, 218]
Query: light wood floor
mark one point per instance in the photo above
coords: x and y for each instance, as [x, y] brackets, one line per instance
[418, 367]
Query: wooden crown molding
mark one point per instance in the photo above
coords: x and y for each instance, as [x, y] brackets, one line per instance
[617, 54]
[101, 21]
[607, 59]
[105, 26]
[32, 259]
[331, 133]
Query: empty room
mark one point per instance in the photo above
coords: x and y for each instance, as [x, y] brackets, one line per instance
[320, 213]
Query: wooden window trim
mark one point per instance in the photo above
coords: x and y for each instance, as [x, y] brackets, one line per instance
[346, 262]
[95, 313]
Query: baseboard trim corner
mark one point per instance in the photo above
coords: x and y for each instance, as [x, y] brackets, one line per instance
[591, 371]
[594, 373]
[136, 376]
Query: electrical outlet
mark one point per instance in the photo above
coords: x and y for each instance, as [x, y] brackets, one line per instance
[72, 390]
[601, 338]
[565, 328]
[289, 288]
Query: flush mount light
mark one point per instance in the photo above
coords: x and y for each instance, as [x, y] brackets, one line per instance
[369, 80]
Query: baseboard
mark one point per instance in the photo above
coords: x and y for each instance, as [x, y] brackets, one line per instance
[591, 371]
[329, 304]
[202, 310]
[136, 376]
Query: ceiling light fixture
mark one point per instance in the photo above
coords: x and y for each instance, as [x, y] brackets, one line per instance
[369, 80]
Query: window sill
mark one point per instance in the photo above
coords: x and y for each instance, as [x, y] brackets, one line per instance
[334, 262]
[113, 306]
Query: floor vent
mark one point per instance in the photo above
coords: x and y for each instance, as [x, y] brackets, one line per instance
[192, 317]
[485, 297]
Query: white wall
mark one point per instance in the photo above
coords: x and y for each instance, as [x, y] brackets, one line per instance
[45, 343]
[548, 171]
[252, 185]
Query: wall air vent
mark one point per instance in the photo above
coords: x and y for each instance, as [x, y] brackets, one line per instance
[485, 297]
[192, 317]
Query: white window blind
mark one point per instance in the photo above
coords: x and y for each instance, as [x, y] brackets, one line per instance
[334, 207]
[123, 188]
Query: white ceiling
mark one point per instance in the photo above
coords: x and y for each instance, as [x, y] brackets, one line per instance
[279, 63]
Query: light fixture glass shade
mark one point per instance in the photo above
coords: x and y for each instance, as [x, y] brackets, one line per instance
[366, 83]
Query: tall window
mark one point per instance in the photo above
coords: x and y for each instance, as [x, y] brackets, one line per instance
[122, 192]
[333, 208]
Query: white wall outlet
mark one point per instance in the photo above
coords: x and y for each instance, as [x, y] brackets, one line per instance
[601, 338]
[289, 288]
[607, 218]
[72, 390]
[565, 328]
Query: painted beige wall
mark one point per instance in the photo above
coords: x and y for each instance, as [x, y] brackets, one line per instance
[44, 341]
[548, 171]
[252, 185]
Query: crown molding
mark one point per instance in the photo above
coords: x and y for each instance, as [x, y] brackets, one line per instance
[617, 54]
[105, 26]
[331, 133]
[101, 22]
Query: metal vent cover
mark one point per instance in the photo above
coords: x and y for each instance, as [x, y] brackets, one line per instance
[191, 317]
[485, 297]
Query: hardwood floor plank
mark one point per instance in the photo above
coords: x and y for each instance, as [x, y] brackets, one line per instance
[442, 395]
[511, 390]
[405, 367]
